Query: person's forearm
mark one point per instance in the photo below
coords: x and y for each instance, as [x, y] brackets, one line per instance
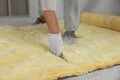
[51, 20]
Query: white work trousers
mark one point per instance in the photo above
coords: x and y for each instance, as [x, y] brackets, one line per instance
[72, 10]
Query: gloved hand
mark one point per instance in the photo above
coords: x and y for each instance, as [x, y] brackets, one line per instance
[69, 37]
[56, 43]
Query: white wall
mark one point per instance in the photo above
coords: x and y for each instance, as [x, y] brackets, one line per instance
[103, 6]
[33, 8]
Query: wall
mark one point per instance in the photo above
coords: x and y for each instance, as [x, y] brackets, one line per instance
[103, 6]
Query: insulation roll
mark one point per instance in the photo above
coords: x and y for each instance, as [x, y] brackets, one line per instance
[101, 20]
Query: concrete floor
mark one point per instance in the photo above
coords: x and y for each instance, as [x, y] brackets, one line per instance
[106, 74]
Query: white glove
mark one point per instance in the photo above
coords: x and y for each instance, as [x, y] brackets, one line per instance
[56, 43]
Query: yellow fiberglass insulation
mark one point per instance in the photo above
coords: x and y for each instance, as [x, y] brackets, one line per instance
[101, 20]
[25, 55]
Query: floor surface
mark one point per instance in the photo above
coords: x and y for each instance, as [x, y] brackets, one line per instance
[106, 74]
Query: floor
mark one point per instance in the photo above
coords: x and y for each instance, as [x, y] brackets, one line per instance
[105, 74]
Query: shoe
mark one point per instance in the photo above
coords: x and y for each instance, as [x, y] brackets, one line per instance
[39, 20]
[70, 37]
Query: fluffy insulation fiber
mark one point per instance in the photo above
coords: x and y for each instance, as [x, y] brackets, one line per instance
[25, 55]
[101, 20]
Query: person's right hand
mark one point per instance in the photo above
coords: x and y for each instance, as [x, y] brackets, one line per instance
[56, 43]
